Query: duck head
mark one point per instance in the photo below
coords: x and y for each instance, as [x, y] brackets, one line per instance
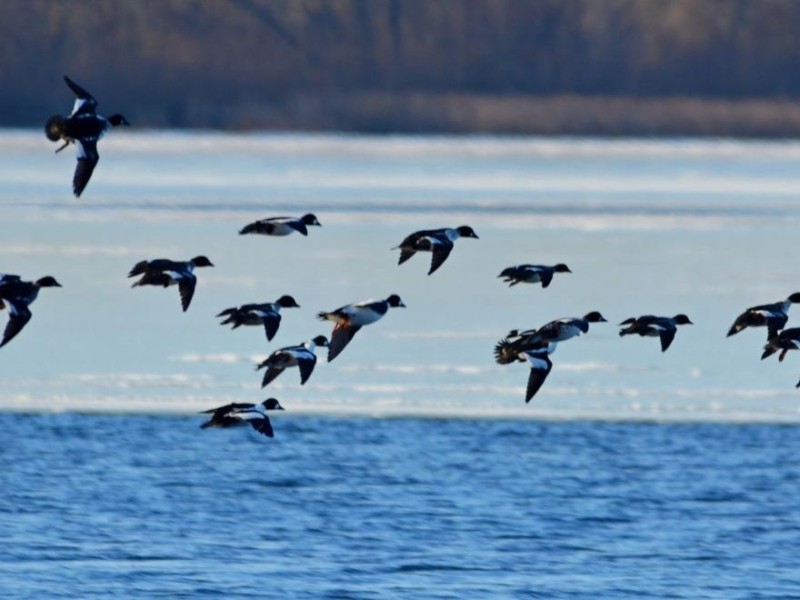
[54, 128]
[595, 317]
[48, 281]
[117, 119]
[466, 231]
[310, 219]
[561, 268]
[271, 404]
[287, 301]
[395, 302]
[201, 261]
[682, 320]
[320, 341]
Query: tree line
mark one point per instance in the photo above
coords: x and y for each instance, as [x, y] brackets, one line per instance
[406, 65]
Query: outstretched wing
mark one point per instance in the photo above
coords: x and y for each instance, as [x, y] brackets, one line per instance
[666, 336]
[440, 252]
[87, 161]
[306, 366]
[341, 336]
[85, 103]
[775, 324]
[546, 277]
[540, 369]
[186, 288]
[271, 323]
[405, 254]
[271, 373]
[262, 425]
[20, 315]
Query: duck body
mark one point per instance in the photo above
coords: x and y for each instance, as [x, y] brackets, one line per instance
[83, 128]
[772, 316]
[350, 318]
[17, 295]
[266, 314]
[239, 414]
[653, 326]
[281, 226]
[508, 349]
[439, 242]
[302, 356]
[532, 274]
[164, 272]
[788, 339]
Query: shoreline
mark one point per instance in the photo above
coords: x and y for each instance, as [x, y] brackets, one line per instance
[512, 114]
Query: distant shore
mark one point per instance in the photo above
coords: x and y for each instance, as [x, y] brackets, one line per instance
[378, 112]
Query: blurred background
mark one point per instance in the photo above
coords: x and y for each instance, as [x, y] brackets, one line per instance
[586, 67]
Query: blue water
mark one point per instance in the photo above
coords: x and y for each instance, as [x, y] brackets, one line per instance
[151, 507]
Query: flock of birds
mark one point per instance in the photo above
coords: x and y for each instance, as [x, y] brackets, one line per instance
[84, 127]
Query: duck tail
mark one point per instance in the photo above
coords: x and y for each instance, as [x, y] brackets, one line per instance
[505, 352]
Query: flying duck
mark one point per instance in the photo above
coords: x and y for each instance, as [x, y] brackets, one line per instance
[165, 272]
[559, 330]
[532, 274]
[280, 226]
[18, 295]
[537, 356]
[788, 339]
[437, 241]
[652, 326]
[350, 318]
[237, 414]
[772, 316]
[301, 356]
[267, 314]
[84, 128]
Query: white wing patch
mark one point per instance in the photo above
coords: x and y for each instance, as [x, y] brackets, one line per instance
[80, 150]
[79, 102]
[537, 363]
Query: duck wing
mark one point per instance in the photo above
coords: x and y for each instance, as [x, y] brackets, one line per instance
[186, 287]
[440, 252]
[666, 336]
[87, 161]
[306, 366]
[263, 426]
[271, 373]
[222, 410]
[546, 276]
[775, 324]
[341, 336]
[540, 368]
[85, 103]
[20, 315]
[271, 323]
[408, 247]
[405, 254]
[298, 226]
